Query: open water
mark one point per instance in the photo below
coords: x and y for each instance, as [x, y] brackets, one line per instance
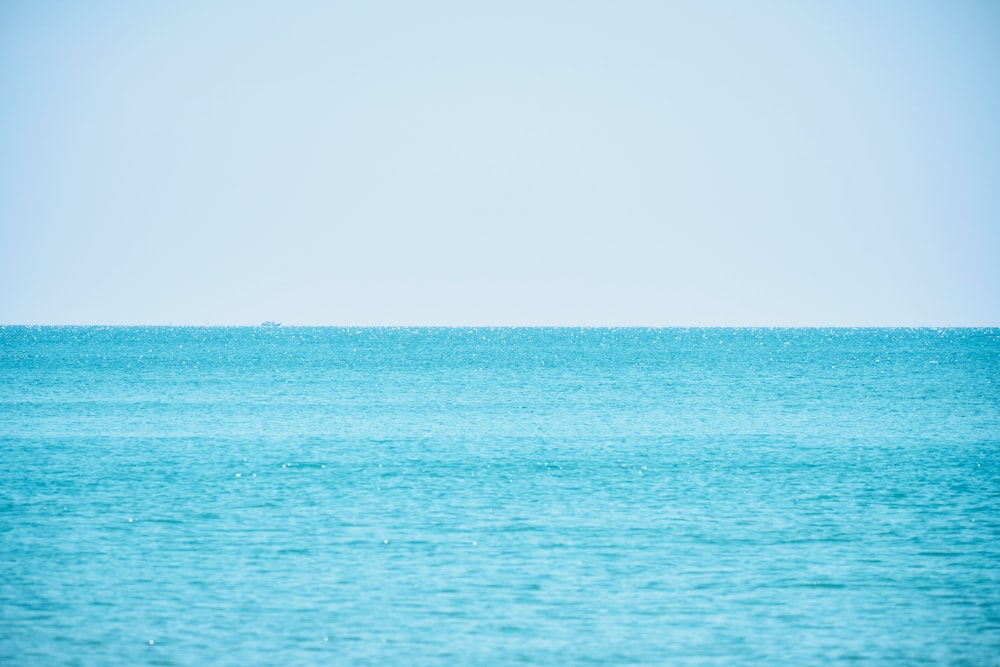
[301, 496]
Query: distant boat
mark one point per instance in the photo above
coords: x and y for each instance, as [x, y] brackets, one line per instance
[270, 324]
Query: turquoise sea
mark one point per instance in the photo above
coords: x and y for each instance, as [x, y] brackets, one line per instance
[309, 496]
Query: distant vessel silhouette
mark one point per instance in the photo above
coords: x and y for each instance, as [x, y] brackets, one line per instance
[270, 323]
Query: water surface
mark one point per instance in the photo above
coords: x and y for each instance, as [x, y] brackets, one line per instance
[232, 496]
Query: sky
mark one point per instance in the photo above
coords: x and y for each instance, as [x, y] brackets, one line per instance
[500, 163]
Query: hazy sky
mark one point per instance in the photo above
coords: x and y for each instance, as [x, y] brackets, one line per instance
[491, 163]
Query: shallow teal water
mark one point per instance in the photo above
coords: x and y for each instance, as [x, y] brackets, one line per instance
[188, 496]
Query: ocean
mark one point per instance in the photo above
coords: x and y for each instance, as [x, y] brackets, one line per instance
[449, 496]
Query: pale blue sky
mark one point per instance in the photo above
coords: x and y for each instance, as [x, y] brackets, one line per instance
[491, 163]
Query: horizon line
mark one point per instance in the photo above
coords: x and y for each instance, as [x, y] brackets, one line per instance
[282, 325]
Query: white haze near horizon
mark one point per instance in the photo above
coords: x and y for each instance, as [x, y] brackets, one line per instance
[500, 163]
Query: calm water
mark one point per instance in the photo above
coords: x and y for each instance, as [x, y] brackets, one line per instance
[189, 496]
